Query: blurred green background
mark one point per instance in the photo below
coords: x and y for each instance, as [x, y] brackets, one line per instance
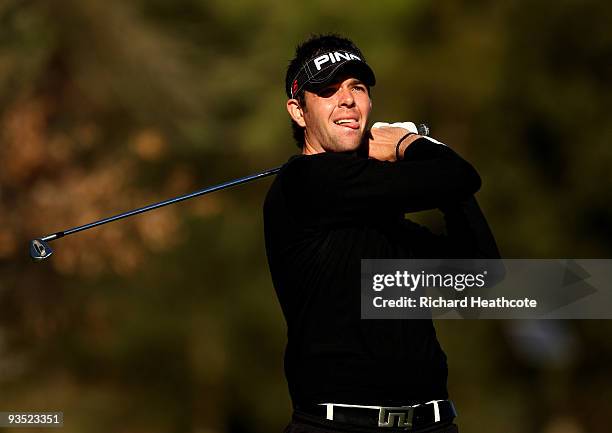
[168, 322]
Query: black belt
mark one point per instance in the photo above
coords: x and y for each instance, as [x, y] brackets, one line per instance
[385, 417]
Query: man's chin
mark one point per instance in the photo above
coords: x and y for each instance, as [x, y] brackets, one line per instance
[350, 145]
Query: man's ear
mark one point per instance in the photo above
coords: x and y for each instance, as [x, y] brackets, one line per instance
[296, 112]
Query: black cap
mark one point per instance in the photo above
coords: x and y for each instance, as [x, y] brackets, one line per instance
[320, 70]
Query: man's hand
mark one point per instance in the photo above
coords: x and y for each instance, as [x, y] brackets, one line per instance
[382, 142]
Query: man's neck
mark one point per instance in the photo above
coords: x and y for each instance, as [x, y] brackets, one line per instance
[309, 149]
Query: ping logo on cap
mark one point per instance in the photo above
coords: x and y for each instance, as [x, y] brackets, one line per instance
[321, 69]
[333, 57]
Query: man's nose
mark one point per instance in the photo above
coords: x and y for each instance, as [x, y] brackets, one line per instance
[345, 97]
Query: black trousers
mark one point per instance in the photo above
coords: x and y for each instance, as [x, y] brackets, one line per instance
[304, 423]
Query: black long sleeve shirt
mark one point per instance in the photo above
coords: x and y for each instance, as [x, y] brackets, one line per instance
[322, 215]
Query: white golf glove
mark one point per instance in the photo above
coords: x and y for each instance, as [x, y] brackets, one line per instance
[408, 126]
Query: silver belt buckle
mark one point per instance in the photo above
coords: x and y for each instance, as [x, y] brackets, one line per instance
[403, 415]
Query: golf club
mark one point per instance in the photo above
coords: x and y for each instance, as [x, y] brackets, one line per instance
[40, 249]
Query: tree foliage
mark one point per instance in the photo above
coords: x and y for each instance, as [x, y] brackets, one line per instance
[168, 321]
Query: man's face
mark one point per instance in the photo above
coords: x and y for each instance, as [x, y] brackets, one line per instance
[336, 116]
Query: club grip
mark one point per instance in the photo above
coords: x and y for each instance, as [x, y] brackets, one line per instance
[423, 129]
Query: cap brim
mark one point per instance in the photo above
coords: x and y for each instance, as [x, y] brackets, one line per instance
[354, 68]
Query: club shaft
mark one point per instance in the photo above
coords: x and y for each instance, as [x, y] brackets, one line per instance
[198, 193]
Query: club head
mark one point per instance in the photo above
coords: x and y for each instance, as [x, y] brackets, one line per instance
[39, 250]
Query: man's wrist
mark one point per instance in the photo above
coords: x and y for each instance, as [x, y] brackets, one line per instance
[401, 146]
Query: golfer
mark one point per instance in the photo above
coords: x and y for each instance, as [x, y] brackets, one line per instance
[343, 199]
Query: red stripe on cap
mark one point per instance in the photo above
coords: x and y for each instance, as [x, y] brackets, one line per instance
[294, 87]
